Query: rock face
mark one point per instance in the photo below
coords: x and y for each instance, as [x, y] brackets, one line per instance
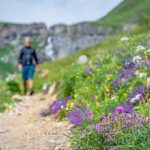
[14, 33]
[58, 41]
[68, 39]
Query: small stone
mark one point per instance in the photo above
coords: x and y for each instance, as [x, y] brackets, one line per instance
[17, 98]
[52, 89]
[82, 59]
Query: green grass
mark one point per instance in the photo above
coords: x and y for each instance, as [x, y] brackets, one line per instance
[127, 11]
[6, 67]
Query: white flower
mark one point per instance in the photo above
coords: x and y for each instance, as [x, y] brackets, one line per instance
[114, 98]
[136, 98]
[148, 51]
[140, 48]
[142, 75]
[137, 59]
[67, 108]
[137, 72]
[148, 80]
[61, 106]
[139, 96]
[133, 100]
[71, 105]
[123, 39]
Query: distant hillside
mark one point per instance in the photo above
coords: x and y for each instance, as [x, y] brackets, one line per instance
[128, 12]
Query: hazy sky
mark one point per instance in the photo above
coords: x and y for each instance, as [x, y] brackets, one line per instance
[54, 11]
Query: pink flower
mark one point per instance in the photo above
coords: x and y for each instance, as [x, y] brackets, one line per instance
[103, 117]
[120, 108]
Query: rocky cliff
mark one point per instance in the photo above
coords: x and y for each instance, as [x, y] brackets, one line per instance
[68, 39]
[56, 42]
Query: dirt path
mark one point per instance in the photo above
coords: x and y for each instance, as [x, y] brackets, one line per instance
[24, 129]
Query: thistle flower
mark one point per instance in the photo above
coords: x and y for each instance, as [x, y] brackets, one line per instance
[120, 108]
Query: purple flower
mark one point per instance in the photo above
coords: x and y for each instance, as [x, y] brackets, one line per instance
[128, 107]
[89, 69]
[115, 83]
[147, 63]
[44, 113]
[99, 65]
[103, 117]
[117, 53]
[57, 105]
[77, 116]
[120, 108]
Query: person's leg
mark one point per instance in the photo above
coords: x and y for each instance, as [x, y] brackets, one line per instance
[30, 77]
[24, 87]
[24, 80]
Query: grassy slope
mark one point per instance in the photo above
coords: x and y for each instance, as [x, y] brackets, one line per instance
[125, 12]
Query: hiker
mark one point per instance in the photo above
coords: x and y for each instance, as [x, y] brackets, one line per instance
[27, 61]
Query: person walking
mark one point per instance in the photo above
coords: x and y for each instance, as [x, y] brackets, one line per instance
[27, 61]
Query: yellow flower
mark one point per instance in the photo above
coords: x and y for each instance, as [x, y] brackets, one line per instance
[96, 97]
[108, 77]
[130, 88]
[125, 95]
[97, 104]
[106, 101]
[68, 104]
[107, 89]
[98, 69]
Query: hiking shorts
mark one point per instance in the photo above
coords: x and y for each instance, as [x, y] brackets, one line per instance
[28, 72]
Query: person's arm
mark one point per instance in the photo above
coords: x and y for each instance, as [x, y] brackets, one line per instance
[36, 59]
[20, 59]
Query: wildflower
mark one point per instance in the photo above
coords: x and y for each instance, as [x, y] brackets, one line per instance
[142, 75]
[96, 97]
[117, 53]
[103, 117]
[137, 98]
[71, 105]
[137, 72]
[106, 101]
[61, 106]
[115, 84]
[137, 59]
[114, 97]
[77, 115]
[140, 48]
[107, 89]
[89, 69]
[148, 80]
[120, 108]
[108, 77]
[125, 94]
[97, 104]
[124, 39]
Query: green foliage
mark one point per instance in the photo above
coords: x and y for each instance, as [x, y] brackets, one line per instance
[13, 87]
[134, 140]
[135, 11]
[6, 67]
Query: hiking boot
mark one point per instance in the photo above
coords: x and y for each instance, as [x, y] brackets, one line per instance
[31, 92]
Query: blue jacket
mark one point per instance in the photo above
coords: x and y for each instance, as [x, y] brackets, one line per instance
[28, 56]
